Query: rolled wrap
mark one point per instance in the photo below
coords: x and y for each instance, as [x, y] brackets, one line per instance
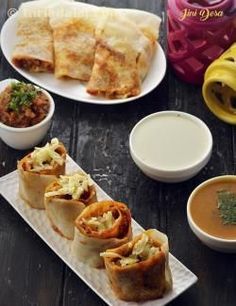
[122, 58]
[142, 280]
[63, 209]
[88, 242]
[33, 182]
[73, 26]
[34, 48]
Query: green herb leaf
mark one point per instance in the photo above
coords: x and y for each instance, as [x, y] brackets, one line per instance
[227, 206]
[22, 95]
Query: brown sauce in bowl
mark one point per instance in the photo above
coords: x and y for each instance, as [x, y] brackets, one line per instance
[22, 105]
[205, 213]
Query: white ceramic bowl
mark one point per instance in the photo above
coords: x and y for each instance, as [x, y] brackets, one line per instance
[170, 146]
[26, 138]
[213, 242]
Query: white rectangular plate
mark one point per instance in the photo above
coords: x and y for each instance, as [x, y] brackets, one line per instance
[96, 279]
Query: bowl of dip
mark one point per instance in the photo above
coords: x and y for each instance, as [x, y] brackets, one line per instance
[211, 213]
[25, 113]
[170, 146]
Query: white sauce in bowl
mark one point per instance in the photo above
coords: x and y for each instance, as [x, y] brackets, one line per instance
[171, 141]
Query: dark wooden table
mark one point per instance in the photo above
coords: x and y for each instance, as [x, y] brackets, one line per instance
[97, 138]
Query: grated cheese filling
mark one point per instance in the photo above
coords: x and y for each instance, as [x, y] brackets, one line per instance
[142, 250]
[73, 185]
[101, 223]
[42, 158]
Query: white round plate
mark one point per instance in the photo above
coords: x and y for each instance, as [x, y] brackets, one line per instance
[74, 89]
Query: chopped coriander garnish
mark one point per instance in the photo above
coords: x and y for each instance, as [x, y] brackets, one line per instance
[227, 206]
[22, 95]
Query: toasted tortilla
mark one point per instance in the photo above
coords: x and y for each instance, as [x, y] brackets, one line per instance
[89, 243]
[147, 22]
[144, 280]
[32, 184]
[74, 40]
[62, 210]
[149, 25]
[34, 48]
[122, 59]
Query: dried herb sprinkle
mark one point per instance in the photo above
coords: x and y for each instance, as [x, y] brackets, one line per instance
[227, 206]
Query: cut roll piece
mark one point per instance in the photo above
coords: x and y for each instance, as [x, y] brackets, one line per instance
[122, 59]
[147, 22]
[74, 27]
[38, 169]
[66, 198]
[139, 270]
[149, 25]
[100, 226]
[34, 48]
